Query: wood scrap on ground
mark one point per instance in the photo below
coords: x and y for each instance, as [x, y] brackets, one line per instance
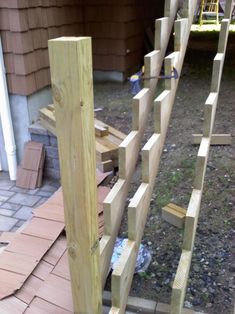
[174, 214]
[107, 139]
[33, 251]
[216, 139]
[30, 172]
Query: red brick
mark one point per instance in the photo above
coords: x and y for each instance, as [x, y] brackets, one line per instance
[18, 20]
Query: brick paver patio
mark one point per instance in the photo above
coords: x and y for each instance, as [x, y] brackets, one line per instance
[16, 204]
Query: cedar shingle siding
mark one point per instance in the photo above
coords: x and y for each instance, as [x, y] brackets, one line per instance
[117, 29]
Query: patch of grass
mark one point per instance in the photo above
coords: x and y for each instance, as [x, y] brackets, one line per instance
[163, 198]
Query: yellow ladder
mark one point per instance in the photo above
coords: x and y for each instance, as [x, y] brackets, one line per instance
[209, 7]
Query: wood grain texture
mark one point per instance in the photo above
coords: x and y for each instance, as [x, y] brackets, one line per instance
[71, 73]
[216, 139]
[191, 219]
[180, 282]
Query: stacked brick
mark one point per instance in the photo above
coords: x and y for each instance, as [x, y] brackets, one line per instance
[116, 26]
[26, 26]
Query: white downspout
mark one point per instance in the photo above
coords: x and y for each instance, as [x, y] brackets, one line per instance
[7, 127]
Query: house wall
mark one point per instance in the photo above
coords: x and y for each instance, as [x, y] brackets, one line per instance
[117, 29]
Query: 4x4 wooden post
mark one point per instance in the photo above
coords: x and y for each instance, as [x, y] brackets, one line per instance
[71, 75]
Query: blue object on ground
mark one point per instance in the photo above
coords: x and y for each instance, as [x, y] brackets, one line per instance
[143, 258]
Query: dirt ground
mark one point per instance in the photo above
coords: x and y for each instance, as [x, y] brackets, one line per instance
[211, 282]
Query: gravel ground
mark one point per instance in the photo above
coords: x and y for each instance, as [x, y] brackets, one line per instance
[211, 281]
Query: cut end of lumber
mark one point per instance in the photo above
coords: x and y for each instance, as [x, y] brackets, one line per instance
[174, 215]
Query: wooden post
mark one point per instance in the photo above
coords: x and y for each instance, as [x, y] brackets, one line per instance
[71, 75]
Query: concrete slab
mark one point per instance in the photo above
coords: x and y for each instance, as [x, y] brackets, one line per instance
[24, 199]
[26, 191]
[11, 206]
[6, 212]
[6, 223]
[6, 184]
[24, 213]
[5, 195]
[44, 193]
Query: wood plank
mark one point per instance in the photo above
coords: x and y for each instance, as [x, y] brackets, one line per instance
[161, 111]
[228, 9]
[223, 38]
[151, 154]
[106, 166]
[112, 203]
[140, 109]
[7, 237]
[114, 209]
[56, 251]
[191, 219]
[201, 163]
[218, 64]
[128, 150]
[124, 268]
[40, 306]
[30, 246]
[44, 228]
[161, 32]
[18, 263]
[101, 130]
[152, 68]
[173, 216]
[209, 114]
[62, 267]
[170, 8]
[181, 32]
[29, 289]
[10, 282]
[216, 139]
[57, 290]
[43, 269]
[74, 105]
[50, 211]
[137, 212]
[12, 305]
[180, 282]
